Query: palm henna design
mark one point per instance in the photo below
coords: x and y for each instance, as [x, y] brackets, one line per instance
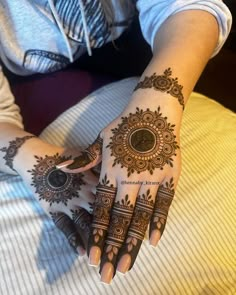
[12, 150]
[163, 83]
[143, 141]
[53, 185]
[165, 196]
[105, 197]
[139, 224]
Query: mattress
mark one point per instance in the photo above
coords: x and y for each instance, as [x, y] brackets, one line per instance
[197, 252]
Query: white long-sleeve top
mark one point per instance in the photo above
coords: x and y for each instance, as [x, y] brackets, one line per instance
[42, 36]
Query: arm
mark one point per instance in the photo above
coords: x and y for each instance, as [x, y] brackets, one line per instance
[184, 42]
[67, 199]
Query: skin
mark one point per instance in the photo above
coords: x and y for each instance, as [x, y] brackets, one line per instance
[177, 47]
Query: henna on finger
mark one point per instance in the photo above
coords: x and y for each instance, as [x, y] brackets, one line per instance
[142, 214]
[104, 199]
[53, 185]
[163, 83]
[82, 221]
[66, 226]
[143, 141]
[13, 148]
[88, 155]
[165, 195]
[121, 216]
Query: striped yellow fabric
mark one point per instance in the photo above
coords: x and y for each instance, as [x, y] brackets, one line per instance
[197, 253]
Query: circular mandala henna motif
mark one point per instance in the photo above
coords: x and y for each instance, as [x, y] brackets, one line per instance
[53, 185]
[143, 141]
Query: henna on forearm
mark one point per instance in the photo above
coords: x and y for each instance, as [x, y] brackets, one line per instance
[12, 149]
[163, 83]
[53, 185]
[143, 141]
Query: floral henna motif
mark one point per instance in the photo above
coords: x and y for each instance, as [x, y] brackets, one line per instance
[139, 224]
[65, 224]
[88, 155]
[12, 149]
[143, 141]
[53, 185]
[121, 217]
[165, 196]
[163, 83]
[105, 196]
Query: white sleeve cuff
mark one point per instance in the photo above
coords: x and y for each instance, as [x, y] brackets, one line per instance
[152, 13]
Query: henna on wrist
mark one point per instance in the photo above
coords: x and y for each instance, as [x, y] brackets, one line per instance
[163, 83]
[143, 141]
[12, 149]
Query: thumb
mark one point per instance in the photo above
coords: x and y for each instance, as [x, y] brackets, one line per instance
[88, 158]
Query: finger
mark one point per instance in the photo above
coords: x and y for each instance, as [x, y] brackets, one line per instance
[141, 218]
[88, 158]
[164, 198]
[65, 224]
[82, 221]
[105, 196]
[121, 216]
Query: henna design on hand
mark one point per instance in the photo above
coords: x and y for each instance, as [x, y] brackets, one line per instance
[165, 195]
[13, 148]
[65, 224]
[82, 221]
[120, 220]
[104, 199]
[163, 83]
[88, 155]
[139, 224]
[143, 141]
[53, 185]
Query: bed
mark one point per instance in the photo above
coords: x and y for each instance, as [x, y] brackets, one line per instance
[197, 253]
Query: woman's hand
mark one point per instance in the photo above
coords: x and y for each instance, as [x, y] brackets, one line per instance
[140, 168]
[67, 198]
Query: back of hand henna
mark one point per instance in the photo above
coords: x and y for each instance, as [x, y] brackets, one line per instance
[143, 141]
[163, 83]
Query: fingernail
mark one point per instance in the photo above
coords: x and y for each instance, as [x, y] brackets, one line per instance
[80, 251]
[107, 273]
[94, 256]
[155, 237]
[124, 263]
[64, 164]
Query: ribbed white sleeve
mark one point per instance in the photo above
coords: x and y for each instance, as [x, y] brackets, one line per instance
[153, 13]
